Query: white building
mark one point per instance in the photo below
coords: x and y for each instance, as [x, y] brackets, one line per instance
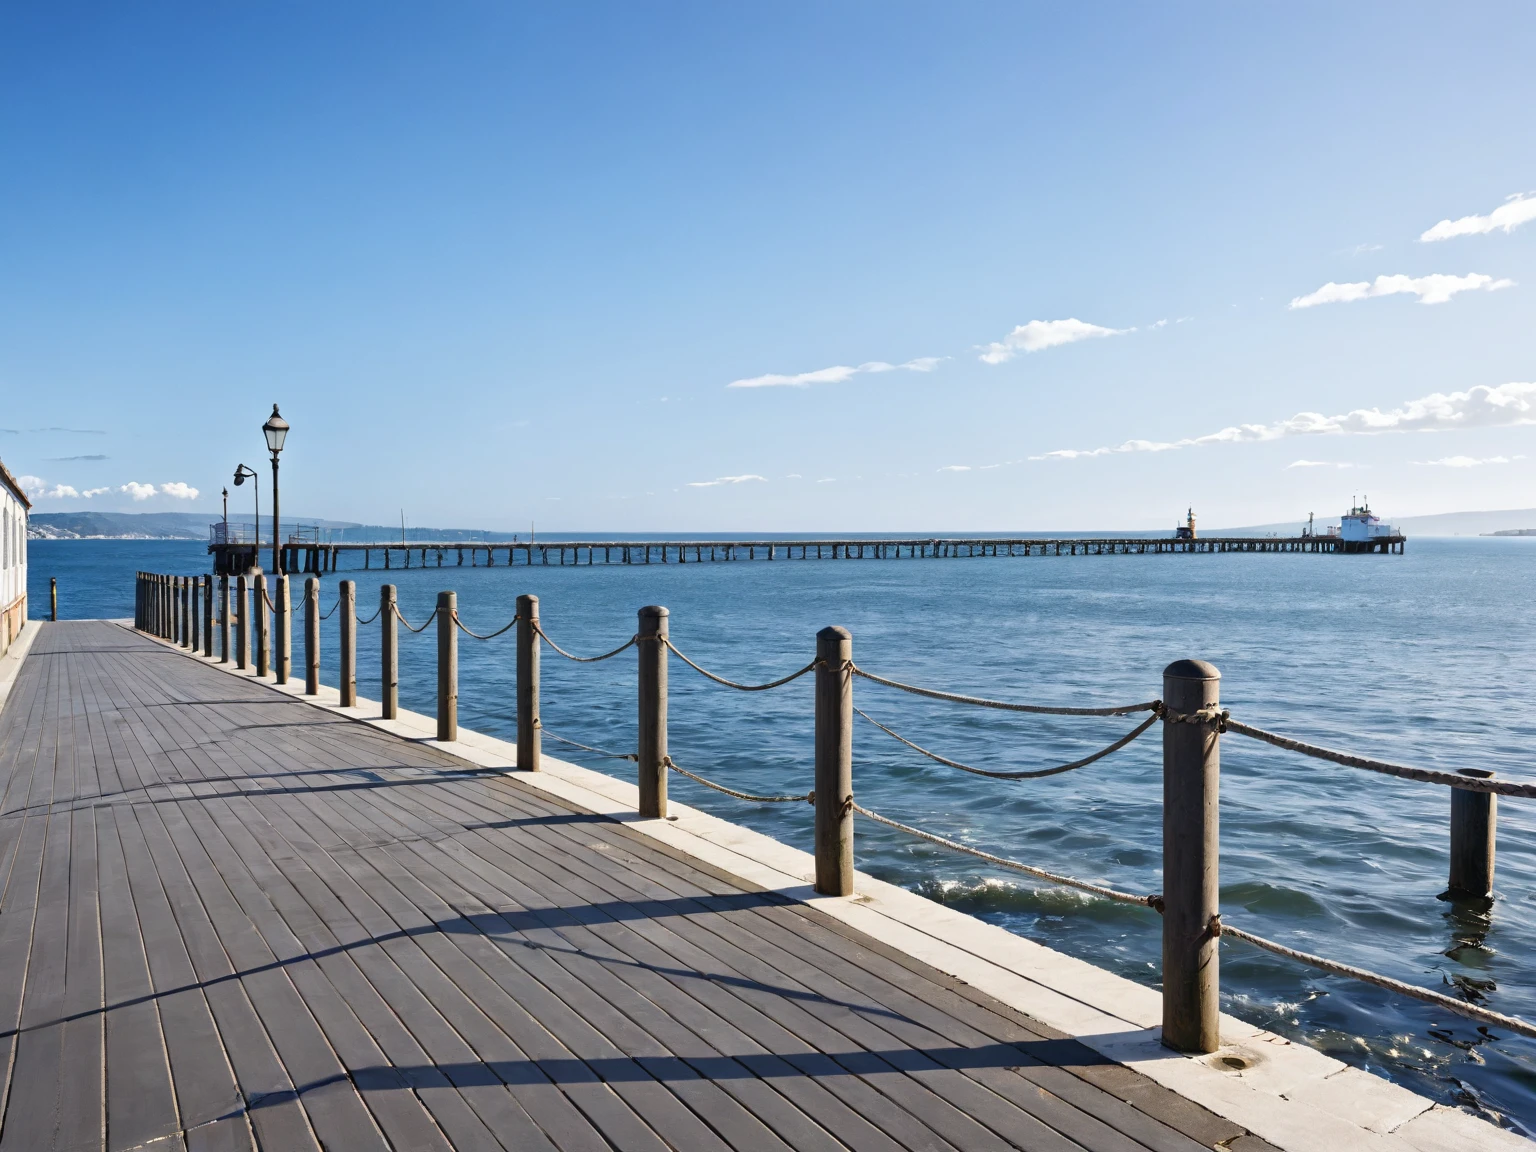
[14, 506]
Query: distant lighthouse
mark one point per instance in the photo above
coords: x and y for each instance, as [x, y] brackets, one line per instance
[1186, 530]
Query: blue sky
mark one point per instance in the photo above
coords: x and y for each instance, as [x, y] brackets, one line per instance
[501, 263]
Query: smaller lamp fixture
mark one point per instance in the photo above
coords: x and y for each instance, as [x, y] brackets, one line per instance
[276, 429]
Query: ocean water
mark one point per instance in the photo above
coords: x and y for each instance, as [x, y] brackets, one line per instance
[1427, 658]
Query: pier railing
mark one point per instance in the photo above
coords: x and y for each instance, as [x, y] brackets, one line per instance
[181, 610]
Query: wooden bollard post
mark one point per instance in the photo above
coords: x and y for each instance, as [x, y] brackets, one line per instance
[1191, 854]
[208, 616]
[447, 666]
[184, 612]
[1474, 830]
[263, 644]
[389, 657]
[312, 636]
[282, 612]
[346, 625]
[242, 624]
[195, 613]
[224, 652]
[53, 599]
[652, 752]
[834, 762]
[529, 752]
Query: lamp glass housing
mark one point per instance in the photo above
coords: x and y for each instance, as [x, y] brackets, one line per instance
[276, 429]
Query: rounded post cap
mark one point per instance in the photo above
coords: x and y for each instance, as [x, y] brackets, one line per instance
[446, 597]
[654, 610]
[1475, 773]
[834, 632]
[1191, 670]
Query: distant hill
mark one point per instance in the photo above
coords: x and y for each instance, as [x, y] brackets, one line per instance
[194, 526]
[1506, 521]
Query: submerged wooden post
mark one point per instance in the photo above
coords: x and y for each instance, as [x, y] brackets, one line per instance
[224, 652]
[529, 752]
[346, 625]
[447, 666]
[1474, 830]
[389, 660]
[1191, 853]
[652, 752]
[242, 624]
[282, 612]
[312, 636]
[834, 762]
[263, 640]
[208, 616]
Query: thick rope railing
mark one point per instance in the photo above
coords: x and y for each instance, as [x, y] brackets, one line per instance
[1427, 995]
[370, 620]
[332, 610]
[1153, 901]
[604, 753]
[809, 797]
[459, 624]
[411, 628]
[1035, 774]
[981, 702]
[586, 659]
[708, 675]
[1422, 775]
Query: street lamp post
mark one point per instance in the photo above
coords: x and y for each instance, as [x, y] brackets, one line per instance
[276, 430]
[242, 473]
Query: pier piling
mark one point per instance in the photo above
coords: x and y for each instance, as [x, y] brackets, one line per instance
[208, 617]
[652, 752]
[528, 739]
[1191, 779]
[834, 762]
[1474, 830]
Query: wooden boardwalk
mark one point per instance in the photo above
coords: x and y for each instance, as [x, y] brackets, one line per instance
[233, 920]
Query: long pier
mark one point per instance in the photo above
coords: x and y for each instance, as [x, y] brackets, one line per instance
[313, 556]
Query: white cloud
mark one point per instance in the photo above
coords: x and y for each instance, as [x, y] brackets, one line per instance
[955, 468]
[1038, 335]
[718, 480]
[1467, 461]
[836, 374]
[89, 492]
[1480, 407]
[1516, 210]
[33, 486]
[178, 490]
[827, 480]
[137, 491]
[1317, 464]
[1435, 289]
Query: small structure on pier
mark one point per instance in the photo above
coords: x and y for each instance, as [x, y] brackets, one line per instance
[1186, 530]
